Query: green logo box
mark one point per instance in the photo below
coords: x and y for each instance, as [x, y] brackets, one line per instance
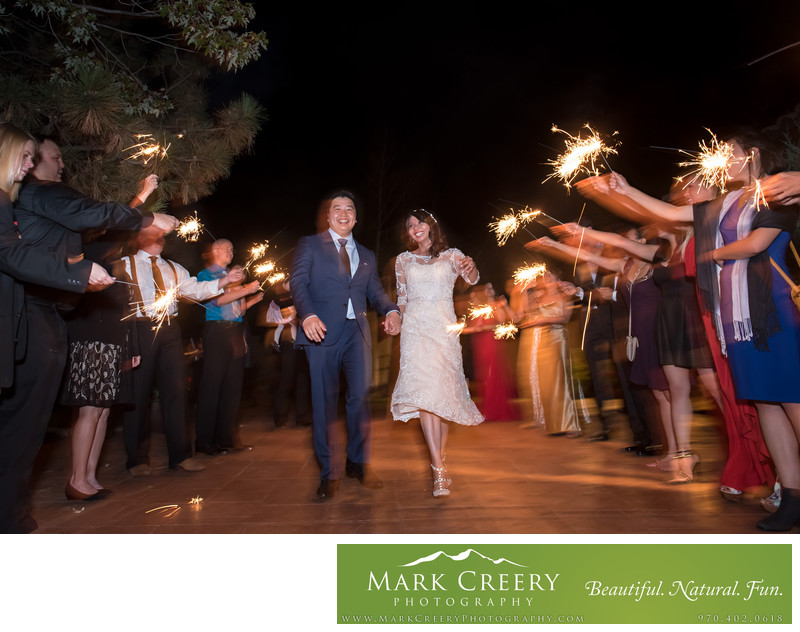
[564, 583]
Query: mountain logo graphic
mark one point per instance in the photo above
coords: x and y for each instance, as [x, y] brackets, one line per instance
[460, 557]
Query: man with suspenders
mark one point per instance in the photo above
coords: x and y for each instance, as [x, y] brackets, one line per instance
[161, 349]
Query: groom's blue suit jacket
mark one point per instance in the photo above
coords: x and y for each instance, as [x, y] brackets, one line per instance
[321, 286]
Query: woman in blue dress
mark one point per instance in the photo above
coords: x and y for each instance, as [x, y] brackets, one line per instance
[739, 241]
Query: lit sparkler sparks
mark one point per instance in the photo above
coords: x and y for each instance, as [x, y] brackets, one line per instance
[482, 311]
[528, 274]
[190, 228]
[510, 223]
[196, 500]
[505, 331]
[758, 195]
[710, 165]
[264, 268]
[158, 310]
[147, 149]
[164, 508]
[256, 252]
[456, 327]
[581, 156]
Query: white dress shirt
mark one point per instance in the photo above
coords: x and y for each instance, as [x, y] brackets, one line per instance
[188, 286]
[352, 252]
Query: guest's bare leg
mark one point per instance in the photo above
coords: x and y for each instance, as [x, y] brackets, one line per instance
[780, 425]
[83, 433]
[97, 448]
[680, 403]
[708, 377]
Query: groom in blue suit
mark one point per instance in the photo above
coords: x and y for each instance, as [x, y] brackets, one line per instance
[332, 280]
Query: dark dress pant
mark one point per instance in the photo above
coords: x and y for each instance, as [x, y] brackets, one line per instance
[162, 364]
[350, 356]
[25, 410]
[220, 389]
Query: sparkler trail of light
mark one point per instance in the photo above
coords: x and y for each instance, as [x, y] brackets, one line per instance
[581, 156]
[482, 311]
[528, 274]
[457, 327]
[758, 196]
[586, 323]
[711, 165]
[161, 508]
[272, 279]
[511, 222]
[190, 228]
[505, 331]
[578, 253]
[256, 252]
[146, 149]
[264, 268]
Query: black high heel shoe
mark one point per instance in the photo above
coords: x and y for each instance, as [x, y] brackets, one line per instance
[787, 514]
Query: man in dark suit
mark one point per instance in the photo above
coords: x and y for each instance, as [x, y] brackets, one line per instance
[51, 216]
[333, 278]
[599, 336]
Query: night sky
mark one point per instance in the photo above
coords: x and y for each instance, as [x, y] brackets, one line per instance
[450, 106]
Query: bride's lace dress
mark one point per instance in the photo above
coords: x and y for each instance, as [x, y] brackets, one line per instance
[431, 374]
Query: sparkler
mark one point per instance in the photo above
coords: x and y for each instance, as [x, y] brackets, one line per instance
[190, 228]
[581, 156]
[528, 274]
[147, 149]
[174, 508]
[482, 311]
[196, 500]
[456, 327]
[758, 195]
[505, 331]
[510, 223]
[256, 252]
[578, 253]
[586, 322]
[711, 165]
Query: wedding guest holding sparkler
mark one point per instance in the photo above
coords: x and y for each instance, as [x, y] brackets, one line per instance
[641, 296]
[293, 372]
[22, 262]
[101, 357]
[224, 350]
[741, 246]
[490, 357]
[431, 385]
[547, 314]
[680, 342]
[157, 285]
[51, 215]
[595, 300]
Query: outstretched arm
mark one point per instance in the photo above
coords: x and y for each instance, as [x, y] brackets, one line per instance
[613, 192]
[636, 248]
[570, 253]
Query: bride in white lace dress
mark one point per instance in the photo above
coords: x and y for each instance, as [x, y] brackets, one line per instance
[431, 383]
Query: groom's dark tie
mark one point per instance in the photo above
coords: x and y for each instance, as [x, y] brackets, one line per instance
[343, 255]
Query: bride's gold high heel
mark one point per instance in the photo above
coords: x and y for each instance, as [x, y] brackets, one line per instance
[687, 461]
[440, 484]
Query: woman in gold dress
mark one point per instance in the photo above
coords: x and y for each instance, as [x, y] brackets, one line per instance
[551, 368]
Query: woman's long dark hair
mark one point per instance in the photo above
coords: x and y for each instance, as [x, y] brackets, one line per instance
[438, 239]
[772, 158]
